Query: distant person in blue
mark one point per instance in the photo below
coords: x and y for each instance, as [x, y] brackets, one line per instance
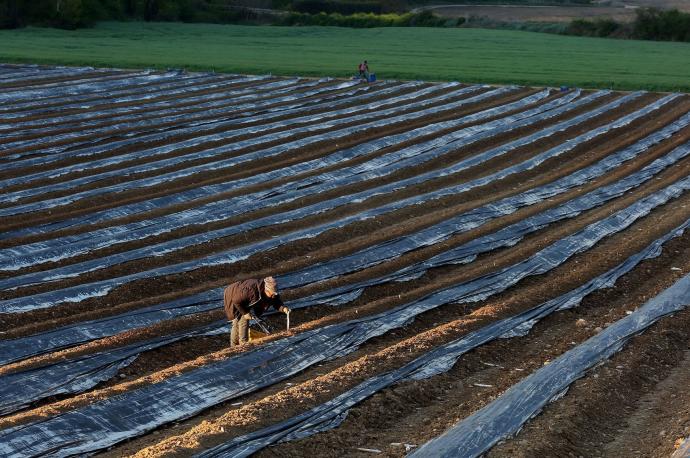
[364, 71]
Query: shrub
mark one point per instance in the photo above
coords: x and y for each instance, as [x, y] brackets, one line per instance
[426, 19]
[654, 24]
[332, 6]
[73, 14]
[366, 20]
[596, 28]
[11, 15]
[649, 24]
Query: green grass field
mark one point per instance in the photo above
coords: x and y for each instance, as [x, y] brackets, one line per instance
[471, 55]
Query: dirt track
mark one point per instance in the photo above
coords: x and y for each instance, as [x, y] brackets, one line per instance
[618, 10]
[634, 405]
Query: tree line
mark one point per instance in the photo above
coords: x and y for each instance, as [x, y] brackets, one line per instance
[649, 24]
[72, 14]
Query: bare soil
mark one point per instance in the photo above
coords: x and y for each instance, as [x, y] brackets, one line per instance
[619, 10]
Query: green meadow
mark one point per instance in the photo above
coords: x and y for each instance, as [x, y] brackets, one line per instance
[433, 54]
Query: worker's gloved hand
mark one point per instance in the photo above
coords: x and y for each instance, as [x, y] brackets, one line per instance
[284, 309]
[247, 316]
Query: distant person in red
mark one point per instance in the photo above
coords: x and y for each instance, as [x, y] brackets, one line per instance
[364, 71]
[245, 298]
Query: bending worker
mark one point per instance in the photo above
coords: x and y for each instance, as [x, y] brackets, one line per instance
[244, 298]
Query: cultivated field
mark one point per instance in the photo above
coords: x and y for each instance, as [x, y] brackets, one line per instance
[430, 54]
[455, 256]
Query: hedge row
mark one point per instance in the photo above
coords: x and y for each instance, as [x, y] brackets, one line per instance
[72, 14]
[649, 24]
[367, 20]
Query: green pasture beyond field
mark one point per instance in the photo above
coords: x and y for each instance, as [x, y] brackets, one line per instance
[469, 55]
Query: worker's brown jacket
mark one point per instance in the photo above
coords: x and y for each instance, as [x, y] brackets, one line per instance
[242, 296]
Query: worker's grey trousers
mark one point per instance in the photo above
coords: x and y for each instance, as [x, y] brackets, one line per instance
[239, 333]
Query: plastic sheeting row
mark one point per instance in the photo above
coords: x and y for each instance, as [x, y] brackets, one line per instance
[127, 85]
[71, 335]
[130, 87]
[106, 422]
[210, 190]
[85, 135]
[89, 290]
[83, 291]
[96, 79]
[185, 116]
[254, 129]
[378, 167]
[145, 134]
[223, 149]
[505, 416]
[248, 97]
[332, 413]
[183, 91]
[44, 378]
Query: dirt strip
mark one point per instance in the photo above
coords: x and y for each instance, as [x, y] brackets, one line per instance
[661, 418]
